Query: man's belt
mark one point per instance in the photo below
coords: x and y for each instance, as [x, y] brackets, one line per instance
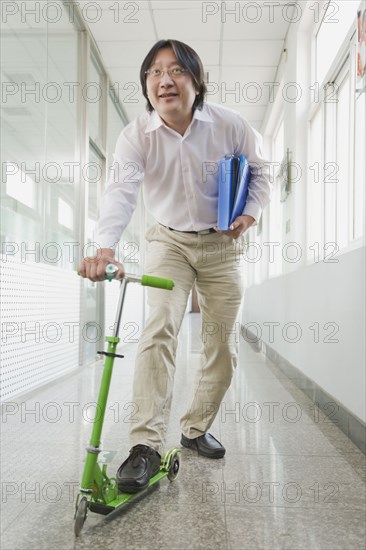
[202, 232]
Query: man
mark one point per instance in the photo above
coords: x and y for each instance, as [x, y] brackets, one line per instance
[175, 149]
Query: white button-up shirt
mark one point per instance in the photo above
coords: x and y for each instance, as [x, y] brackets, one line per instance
[180, 174]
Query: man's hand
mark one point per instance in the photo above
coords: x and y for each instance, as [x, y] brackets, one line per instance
[93, 267]
[238, 227]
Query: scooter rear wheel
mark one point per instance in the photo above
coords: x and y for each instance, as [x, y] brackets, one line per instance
[80, 516]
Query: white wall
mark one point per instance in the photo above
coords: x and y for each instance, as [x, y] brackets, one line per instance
[321, 293]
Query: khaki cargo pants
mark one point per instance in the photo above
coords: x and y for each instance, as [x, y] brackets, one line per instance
[213, 261]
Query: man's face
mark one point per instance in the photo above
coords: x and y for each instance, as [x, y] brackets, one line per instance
[170, 96]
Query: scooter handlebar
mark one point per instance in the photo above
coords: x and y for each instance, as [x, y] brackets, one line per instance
[157, 282]
[145, 280]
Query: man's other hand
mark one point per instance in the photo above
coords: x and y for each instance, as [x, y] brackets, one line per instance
[238, 227]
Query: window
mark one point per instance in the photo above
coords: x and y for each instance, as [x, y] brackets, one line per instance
[336, 175]
[314, 204]
[329, 169]
[279, 144]
[358, 201]
[342, 168]
[336, 19]
[275, 206]
[343, 173]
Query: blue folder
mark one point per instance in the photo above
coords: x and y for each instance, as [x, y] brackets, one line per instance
[234, 176]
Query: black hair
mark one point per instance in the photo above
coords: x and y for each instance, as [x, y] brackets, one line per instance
[187, 58]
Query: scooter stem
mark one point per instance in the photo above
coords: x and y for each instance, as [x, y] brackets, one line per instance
[121, 300]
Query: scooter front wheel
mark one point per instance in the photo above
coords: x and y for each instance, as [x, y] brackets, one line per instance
[174, 468]
[80, 516]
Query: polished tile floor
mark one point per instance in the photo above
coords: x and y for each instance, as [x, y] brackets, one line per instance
[290, 478]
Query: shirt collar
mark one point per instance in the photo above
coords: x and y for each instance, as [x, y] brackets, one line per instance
[155, 120]
[203, 114]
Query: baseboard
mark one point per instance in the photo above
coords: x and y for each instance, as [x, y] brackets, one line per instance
[351, 425]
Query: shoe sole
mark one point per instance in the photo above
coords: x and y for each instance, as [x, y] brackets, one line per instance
[219, 454]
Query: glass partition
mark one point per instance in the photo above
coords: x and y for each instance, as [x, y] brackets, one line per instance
[23, 144]
[39, 129]
[92, 313]
[94, 92]
[114, 128]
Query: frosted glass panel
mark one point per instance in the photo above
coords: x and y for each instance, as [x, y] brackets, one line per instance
[38, 130]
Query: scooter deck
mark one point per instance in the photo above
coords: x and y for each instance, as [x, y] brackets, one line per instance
[124, 498]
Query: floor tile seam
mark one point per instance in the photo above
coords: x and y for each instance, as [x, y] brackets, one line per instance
[226, 530]
[338, 455]
[14, 518]
[318, 508]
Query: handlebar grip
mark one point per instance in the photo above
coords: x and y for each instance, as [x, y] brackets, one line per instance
[157, 282]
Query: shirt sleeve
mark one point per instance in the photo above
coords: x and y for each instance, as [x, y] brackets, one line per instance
[260, 186]
[120, 196]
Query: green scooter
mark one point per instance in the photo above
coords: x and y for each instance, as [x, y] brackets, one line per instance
[98, 492]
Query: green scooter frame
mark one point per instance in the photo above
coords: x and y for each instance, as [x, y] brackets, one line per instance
[98, 492]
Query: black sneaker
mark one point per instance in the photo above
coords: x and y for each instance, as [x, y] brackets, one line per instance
[135, 472]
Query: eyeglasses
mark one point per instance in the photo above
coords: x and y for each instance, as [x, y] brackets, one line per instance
[173, 72]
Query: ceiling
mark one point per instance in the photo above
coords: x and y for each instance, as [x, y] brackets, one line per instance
[240, 44]
[238, 56]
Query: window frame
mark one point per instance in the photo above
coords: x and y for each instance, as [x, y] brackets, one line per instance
[343, 66]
